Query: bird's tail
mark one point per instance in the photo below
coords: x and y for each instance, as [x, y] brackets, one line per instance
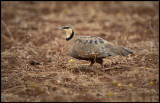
[125, 51]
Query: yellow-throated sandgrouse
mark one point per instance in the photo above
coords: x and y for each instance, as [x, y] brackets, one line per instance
[91, 47]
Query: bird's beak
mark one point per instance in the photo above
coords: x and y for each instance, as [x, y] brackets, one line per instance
[60, 28]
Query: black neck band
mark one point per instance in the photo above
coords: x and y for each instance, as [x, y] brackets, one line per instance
[69, 38]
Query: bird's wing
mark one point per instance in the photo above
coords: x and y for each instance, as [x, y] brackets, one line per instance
[89, 47]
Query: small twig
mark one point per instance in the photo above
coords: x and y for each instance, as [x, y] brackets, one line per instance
[10, 89]
[8, 31]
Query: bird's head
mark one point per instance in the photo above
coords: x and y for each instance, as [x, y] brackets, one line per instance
[69, 31]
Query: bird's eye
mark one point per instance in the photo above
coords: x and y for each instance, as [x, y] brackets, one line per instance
[66, 27]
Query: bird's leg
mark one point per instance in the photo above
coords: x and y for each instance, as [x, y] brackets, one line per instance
[92, 62]
[100, 61]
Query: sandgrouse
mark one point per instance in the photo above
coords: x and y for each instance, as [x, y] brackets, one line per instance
[91, 47]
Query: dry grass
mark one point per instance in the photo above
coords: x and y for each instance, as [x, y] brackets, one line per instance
[35, 65]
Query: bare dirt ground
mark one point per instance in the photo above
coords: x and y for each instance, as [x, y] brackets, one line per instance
[35, 65]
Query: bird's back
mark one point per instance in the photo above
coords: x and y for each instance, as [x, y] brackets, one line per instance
[90, 47]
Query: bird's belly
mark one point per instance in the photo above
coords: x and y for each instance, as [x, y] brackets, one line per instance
[86, 54]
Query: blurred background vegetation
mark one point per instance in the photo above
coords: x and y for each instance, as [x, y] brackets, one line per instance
[35, 65]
